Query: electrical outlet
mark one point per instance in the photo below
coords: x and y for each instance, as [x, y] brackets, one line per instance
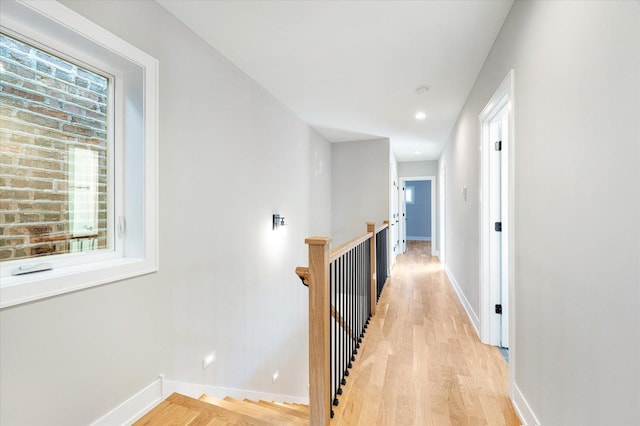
[208, 359]
[275, 376]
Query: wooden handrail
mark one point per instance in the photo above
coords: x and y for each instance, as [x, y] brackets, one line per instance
[316, 277]
[381, 227]
[343, 248]
[303, 273]
[342, 323]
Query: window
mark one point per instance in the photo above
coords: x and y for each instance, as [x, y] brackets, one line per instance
[55, 154]
[409, 195]
[74, 99]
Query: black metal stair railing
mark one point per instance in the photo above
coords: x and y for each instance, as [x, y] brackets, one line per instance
[350, 301]
[381, 260]
[342, 288]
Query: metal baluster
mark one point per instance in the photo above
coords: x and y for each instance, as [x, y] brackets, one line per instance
[358, 303]
[361, 295]
[354, 277]
[356, 320]
[334, 388]
[379, 265]
[336, 278]
[339, 329]
[368, 283]
[343, 381]
[349, 310]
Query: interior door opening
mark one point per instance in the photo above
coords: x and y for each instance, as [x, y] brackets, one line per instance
[419, 210]
[498, 212]
[497, 278]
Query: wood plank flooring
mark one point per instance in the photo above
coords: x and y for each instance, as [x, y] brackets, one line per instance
[421, 362]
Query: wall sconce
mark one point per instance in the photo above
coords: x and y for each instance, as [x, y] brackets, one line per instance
[278, 221]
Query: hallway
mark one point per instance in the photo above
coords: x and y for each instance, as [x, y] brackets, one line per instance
[421, 362]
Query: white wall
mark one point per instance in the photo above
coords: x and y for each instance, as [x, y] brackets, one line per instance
[320, 186]
[577, 230]
[230, 156]
[360, 178]
[417, 168]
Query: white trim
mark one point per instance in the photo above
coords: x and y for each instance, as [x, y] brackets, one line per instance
[473, 317]
[489, 293]
[134, 407]
[523, 409]
[140, 199]
[195, 390]
[435, 252]
[504, 95]
[434, 232]
[442, 207]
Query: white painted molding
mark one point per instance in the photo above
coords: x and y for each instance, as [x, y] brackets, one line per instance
[195, 390]
[435, 233]
[435, 252]
[523, 409]
[473, 317]
[135, 407]
[418, 238]
[78, 37]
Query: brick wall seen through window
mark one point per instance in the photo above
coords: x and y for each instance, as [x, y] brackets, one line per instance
[54, 178]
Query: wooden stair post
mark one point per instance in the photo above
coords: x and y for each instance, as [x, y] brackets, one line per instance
[319, 312]
[371, 227]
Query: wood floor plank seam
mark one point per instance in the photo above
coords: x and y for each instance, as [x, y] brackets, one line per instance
[422, 363]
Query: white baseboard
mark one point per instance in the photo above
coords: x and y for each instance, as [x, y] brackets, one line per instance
[133, 408]
[473, 317]
[523, 409]
[195, 390]
[418, 238]
[435, 253]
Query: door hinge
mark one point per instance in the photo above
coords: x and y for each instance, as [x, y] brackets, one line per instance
[498, 226]
[498, 146]
[499, 309]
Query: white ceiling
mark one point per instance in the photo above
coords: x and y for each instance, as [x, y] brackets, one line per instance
[351, 68]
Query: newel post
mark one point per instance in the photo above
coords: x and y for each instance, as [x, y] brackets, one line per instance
[371, 227]
[319, 312]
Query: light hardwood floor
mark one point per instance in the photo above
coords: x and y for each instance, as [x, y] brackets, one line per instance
[421, 362]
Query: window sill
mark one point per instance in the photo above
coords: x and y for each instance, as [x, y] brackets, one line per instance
[16, 290]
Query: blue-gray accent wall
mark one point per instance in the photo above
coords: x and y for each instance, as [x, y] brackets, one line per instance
[419, 212]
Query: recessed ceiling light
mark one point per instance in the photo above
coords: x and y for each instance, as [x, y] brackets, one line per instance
[421, 115]
[422, 90]
[418, 152]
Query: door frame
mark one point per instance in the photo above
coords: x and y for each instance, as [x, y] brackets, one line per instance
[442, 201]
[394, 231]
[402, 206]
[503, 97]
[432, 179]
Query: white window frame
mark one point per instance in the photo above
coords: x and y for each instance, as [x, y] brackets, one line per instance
[134, 226]
[410, 190]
